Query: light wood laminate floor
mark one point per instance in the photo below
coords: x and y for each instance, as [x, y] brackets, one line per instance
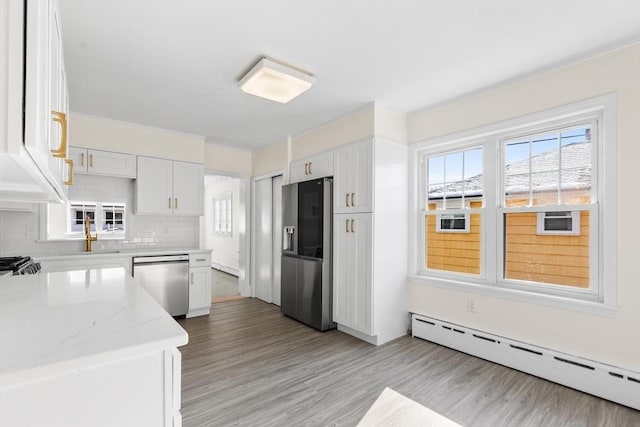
[247, 365]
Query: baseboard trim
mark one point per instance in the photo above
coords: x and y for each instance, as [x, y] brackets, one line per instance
[225, 268]
[609, 382]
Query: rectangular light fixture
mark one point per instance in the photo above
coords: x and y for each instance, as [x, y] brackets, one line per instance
[275, 81]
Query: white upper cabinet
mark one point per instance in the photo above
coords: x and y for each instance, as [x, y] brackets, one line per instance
[311, 168]
[107, 163]
[167, 187]
[33, 146]
[353, 178]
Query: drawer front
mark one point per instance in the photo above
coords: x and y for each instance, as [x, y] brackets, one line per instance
[200, 260]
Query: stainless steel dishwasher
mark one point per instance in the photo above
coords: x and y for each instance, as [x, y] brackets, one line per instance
[166, 278]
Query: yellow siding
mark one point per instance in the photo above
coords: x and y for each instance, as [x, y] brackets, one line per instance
[459, 252]
[562, 260]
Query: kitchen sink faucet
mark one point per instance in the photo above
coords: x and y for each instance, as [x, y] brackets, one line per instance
[88, 238]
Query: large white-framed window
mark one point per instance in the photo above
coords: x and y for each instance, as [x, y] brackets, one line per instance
[545, 208]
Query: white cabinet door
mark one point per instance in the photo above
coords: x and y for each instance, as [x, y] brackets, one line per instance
[343, 275]
[188, 188]
[154, 186]
[311, 168]
[353, 178]
[199, 291]
[361, 231]
[352, 281]
[111, 164]
[106, 163]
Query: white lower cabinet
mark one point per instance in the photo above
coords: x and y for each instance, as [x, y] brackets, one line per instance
[352, 285]
[199, 285]
[135, 391]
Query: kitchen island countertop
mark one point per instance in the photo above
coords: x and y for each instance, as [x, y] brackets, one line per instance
[55, 323]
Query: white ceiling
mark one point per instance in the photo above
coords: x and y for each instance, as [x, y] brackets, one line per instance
[175, 64]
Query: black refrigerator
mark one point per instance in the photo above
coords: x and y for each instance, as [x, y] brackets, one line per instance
[306, 274]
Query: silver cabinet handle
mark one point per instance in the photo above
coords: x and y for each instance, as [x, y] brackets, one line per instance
[200, 259]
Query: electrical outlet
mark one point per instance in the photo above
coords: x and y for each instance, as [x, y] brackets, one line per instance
[471, 305]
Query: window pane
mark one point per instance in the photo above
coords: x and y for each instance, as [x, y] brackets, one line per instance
[473, 173]
[575, 175]
[435, 196]
[544, 186]
[544, 153]
[436, 170]
[517, 190]
[453, 167]
[548, 259]
[457, 252]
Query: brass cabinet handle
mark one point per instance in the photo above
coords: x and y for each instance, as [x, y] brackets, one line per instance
[346, 225]
[169, 202]
[306, 168]
[353, 223]
[176, 203]
[310, 171]
[61, 118]
[69, 181]
[192, 278]
[81, 159]
[353, 198]
[90, 160]
[346, 201]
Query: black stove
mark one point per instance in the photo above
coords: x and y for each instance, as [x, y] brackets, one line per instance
[18, 265]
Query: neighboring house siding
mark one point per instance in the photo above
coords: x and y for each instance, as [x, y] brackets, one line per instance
[562, 260]
[459, 252]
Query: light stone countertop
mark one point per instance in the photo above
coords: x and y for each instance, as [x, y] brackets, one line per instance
[55, 323]
[120, 253]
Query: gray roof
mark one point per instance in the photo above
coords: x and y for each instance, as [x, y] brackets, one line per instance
[576, 174]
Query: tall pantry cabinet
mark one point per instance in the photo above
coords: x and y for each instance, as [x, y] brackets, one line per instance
[370, 240]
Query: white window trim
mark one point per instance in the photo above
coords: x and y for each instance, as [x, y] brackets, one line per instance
[575, 223]
[487, 283]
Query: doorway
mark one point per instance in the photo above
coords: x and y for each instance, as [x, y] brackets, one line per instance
[220, 231]
[267, 237]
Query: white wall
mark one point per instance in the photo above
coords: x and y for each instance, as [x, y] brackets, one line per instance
[225, 248]
[123, 137]
[221, 159]
[613, 339]
[353, 127]
[272, 158]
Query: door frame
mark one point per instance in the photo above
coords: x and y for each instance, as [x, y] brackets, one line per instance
[244, 233]
[268, 175]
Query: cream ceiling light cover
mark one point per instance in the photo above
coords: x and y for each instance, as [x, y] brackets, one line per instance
[275, 81]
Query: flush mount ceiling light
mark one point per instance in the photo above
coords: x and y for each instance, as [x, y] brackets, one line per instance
[275, 81]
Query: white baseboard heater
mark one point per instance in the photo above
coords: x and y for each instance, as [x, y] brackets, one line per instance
[606, 381]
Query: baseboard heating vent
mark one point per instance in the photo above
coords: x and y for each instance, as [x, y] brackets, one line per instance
[606, 381]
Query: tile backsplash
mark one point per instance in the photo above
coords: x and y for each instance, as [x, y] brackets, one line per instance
[20, 234]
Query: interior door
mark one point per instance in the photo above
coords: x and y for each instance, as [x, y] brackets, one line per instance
[263, 267]
[276, 185]
[268, 239]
